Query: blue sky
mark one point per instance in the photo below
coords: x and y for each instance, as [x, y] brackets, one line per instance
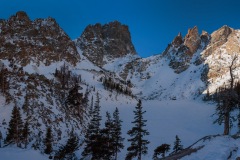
[152, 23]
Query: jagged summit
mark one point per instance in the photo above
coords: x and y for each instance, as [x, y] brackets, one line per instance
[24, 41]
[21, 16]
[101, 43]
[47, 93]
[192, 40]
[178, 40]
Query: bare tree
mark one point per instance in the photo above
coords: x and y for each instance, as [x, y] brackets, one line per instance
[227, 99]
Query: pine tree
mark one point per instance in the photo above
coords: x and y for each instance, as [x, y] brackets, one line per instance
[105, 144]
[74, 102]
[67, 151]
[90, 108]
[227, 102]
[138, 144]
[48, 141]
[37, 143]
[14, 135]
[177, 145]
[85, 106]
[1, 137]
[25, 133]
[161, 150]
[93, 137]
[117, 134]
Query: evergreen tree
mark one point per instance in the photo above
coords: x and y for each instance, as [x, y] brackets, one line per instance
[163, 149]
[138, 144]
[48, 141]
[14, 135]
[93, 136]
[1, 137]
[85, 106]
[25, 133]
[74, 102]
[36, 145]
[177, 145]
[106, 139]
[67, 151]
[91, 108]
[117, 134]
[227, 102]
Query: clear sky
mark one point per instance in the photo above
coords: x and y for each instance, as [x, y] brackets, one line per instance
[153, 23]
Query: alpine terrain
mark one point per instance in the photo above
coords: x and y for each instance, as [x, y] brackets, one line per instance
[95, 98]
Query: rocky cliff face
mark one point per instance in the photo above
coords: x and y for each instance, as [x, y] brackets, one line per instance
[219, 54]
[181, 50]
[42, 40]
[192, 40]
[101, 43]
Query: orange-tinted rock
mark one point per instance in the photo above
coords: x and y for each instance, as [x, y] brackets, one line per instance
[192, 40]
[221, 35]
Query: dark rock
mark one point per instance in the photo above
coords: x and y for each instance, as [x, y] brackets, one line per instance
[108, 41]
[177, 40]
[42, 40]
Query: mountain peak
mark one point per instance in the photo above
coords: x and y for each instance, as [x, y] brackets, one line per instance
[221, 34]
[109, 41]
[178, 40]
[21, 15]
[41, 40]
[192, 40]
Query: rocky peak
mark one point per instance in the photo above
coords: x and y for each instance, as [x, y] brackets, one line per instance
[180, 51]
[42, 40]
[101, 43]
[178, 40]
[192, 40]
[22, 16]
[205, 37]
[221, 34]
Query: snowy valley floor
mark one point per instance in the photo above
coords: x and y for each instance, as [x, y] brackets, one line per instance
[190, 120]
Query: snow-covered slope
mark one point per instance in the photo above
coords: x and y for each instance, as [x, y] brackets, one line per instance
[206, 69]
[211, 148]
[171, 84]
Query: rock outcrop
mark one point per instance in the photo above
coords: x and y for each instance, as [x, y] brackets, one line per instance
[101, 43]
[205, 37]
[178, 40]
[192, 40]
[181, 50]
[42, 40]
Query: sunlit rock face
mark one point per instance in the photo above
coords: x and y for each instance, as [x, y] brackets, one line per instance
[192, 40]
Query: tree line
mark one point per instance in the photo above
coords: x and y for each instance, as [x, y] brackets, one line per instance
[110, 84]
[99, 143]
